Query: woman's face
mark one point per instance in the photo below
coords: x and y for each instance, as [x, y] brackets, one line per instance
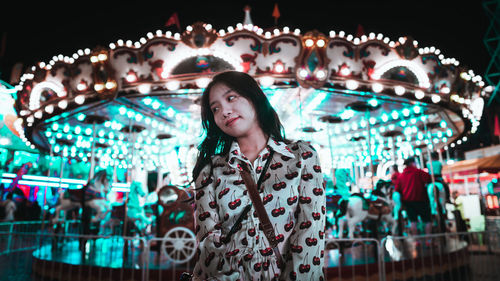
[233, 113]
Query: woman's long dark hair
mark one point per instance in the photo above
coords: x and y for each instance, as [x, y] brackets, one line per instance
[218, 142]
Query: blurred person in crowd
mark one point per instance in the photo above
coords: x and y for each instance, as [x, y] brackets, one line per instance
[411, 184]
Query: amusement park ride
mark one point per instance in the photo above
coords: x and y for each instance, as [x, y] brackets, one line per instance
[364, 103]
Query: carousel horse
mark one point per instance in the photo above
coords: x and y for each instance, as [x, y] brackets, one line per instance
[356, 208]
[135, 211]
[437, 199]
[93, 195]
[136, 214]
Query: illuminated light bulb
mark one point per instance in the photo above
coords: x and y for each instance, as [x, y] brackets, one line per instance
[417, 109]
[4, 141]
[465, 76]
[347, 114]
[419, 94]
[81, 86]
[122, 110]
[49, 109]
[445, 90]
[110, 85]
[202, 82]
[38, 114]
[309, 43]
[144, 88]
[102, 57]
[373, 102]
[400, 90]
[344, 71]
[173, 85]
[377, 87]
[94, 59]
[99, 87]
[385, 118]
[303, 73]
[436, 98]
[279, 68]
[351, 84]
[320, 43]
[131, 77]
[79, 99]
[62, 104]
[406, 112]
[266, 81]
[321, 74]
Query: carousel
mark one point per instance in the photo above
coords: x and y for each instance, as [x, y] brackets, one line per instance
[131, 108]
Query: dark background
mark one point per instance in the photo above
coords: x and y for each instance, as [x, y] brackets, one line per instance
[33, 32]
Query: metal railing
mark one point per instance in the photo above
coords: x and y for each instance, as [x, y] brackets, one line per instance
[27, 253]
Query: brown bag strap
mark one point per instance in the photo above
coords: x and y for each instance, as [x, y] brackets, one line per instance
[254, 195]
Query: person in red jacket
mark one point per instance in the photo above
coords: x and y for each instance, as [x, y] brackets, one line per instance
[395, 174]
[412, 185]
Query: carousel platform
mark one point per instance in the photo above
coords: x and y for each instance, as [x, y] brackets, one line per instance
[117, 259]
[110, 258]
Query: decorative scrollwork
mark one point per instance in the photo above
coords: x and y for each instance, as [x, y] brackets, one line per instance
[256, 47]
[273, 46]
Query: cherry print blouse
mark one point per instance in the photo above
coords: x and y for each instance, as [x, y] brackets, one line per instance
[293, 194]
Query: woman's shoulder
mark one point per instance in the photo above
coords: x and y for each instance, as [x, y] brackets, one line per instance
[300, 148]
[299, 145]
[215, 161]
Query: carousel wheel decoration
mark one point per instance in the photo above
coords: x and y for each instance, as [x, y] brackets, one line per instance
[179, 244]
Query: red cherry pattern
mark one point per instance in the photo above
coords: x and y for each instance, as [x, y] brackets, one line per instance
[293, 193]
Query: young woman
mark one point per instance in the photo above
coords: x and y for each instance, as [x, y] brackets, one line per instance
[242, 128]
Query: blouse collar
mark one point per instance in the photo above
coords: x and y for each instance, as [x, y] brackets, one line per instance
[272, 144]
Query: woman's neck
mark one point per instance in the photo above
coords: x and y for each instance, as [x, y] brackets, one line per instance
[253, 144]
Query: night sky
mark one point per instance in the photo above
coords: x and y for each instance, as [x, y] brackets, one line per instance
[37, 32]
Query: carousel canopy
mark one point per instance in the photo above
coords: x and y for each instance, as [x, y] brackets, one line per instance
[10, 124]
[353, 97]
[489, 164]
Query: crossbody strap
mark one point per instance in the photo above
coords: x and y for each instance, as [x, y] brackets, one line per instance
[254, 195]
[247, 208]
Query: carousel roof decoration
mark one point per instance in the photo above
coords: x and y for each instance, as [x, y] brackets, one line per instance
[156, 82]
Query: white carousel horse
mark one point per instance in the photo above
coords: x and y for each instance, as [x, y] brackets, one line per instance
[94, 196]
[380, 207]
[135, 210]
